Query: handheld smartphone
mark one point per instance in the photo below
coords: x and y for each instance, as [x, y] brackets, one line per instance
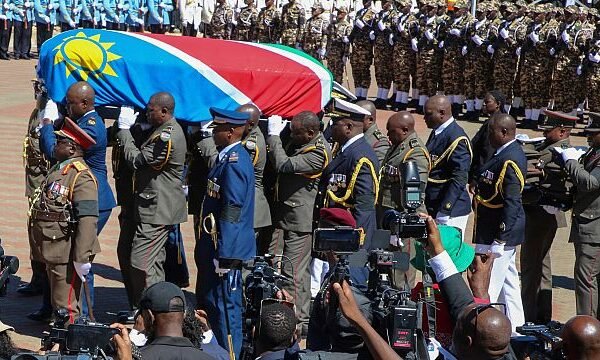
[339, 240]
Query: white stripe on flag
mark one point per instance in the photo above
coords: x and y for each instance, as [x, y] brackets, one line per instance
[201, 67]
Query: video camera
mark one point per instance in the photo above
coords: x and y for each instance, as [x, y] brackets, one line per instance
[9, 265]
[407, 224]
[539, 341]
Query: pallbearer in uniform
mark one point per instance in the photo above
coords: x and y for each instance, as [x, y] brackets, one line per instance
[550, 199]
[499, 216]
[64, 219]
[45, 18]
[247, 21]
[406, 146]
[338, 48]
[374, 137]
[227, 236]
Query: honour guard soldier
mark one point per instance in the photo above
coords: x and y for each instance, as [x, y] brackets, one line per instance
[499, 215]
[427, 45]
[379, 142]
[227, 236]
[298, 166]
[383, 53]
[406, 146]
[135, 12]
[159, 18]
[64, 220]
[22, 24]
[338, 48]
[87, 14]
[593, 73]
[115, 14]
[191, 16]
[350, 181]
[6, 15]
[221, 23]
[45, 18]
[293, 18]
[314, 40]
[446, 196]
[543, 216]
[584, 171]
[362, 38]
[68, 14]
[268, 26]
[406, 28]
[159, 198]
[247, 21]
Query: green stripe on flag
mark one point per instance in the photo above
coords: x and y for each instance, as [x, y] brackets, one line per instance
[302, 54]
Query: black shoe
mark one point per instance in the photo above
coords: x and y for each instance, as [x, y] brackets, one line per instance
[29, 289]
[414, 104]
[468, 116]
[127, 317]
[514, 112]
[398, 106]
[25, 57]
[360, 98]
[419, 110]
[476, 115]
[380, 104]
[41, 315]
[4, 57]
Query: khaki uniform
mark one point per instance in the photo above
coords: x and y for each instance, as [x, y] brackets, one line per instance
[299, 170]
[478, 62]
[63, 225]
[268, 26]
[404, 58]
[506, 59]
[593, 76]
[411, 149]
[338, 48]
[454, 62]
[255, 144]
[362, 48]
[384, 49]
[378, 141]
[246, 24]
[293, 18]
[426, 80]
[221, 22]
[540, 230]
[159, 200]
[316, 35]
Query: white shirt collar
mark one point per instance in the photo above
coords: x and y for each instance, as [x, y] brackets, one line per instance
[351, 141]
[91, 111]
[499, 150]
[443, 127]
[223, 152]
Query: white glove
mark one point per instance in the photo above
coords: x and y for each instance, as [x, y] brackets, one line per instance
[477, 40]
[491, 50]
[579, 70]
[441, 44]
[565, 37]
[570, 153]
[455, 32]
[298, 46]
[6, 6]
[464, 50]
[162, 5]
[346, 40]
[82, 269]
[414, 44]
[594, 58]
[518, 51]
[234, 22]
[400, 27]
[140, 21]
[372, 35]
[119, 6]
[27, 4]
[442, 219]
[47, 19]
[391, 39]
[344, 59]
[275, 125]
[380, 25]
[552, 51]
[2, 17]
[429, 34]
[504, 33]
[551, 209]
[207, 130]
[218, 270]
[50, 6]
[51, 111]
[396, 241]
[160, 21]
[127, 117]
[76, 11]
[359, 23]
[321, 52]
[72, 24]
[534, 37]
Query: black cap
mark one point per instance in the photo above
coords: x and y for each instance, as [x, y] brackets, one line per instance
[557, 119]
[594, 124]
[157, 298]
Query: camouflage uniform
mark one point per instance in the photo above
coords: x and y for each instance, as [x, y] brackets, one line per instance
[593, 75]
[293, 19]
[268, 25]
[406, 27]
[246, 23]
[438, 55]
[338, 48]
[426, 81]
[384, 51]
[587, 31]
[315, 37]
[362, 50]
[221, 22]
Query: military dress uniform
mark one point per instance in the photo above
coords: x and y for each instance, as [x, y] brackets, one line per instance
[427, 45]
[86, 20]
[135, 13]
[159, 201]
[22, 23]
[68, 14]
[383, 54]
[115, 14]
[159, 12]
[298, 172]
[405, 28]
[362, 37]
[191, 16]
[315, 35]
[390, 190]
[6, 15]
[268, 26]
[542, 219]
[227, 236]
[44, 12]
[593, 73]
[378, 141]
[338, 48]
[500, 223]
[221, 23]
[293, 19]
[247, 21]
[63, 223]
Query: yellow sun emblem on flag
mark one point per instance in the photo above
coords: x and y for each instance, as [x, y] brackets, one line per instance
[86, 56]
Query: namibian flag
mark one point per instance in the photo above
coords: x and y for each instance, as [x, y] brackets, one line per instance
[127, 68]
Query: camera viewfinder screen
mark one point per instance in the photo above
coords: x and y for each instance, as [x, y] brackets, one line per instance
[337, 240]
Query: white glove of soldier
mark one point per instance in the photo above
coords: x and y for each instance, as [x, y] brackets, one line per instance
[119, 6]
[569, 153]
[162, 5]
[594, 58]
[82, 269]
[442, 219]
[518, 51]
[455, 32]
[344, 59]
[321, 53]
[218, 270]
[47, 19]
[491, 50]
[380, 25]
[275, 126]
[50, 6]
[552, 51]
[359, 23]
[27, 4]
[504, 33]
[160, 20]
[346, 40]
[72, 24]
[51, 111]
[441, 44]
[234, 22]
[6, 6]
[298, 46]
[400, 27]
[76, 11]
[565, 37]
[534, 37]
[477, 40]
[207, 130]
[429, 34]
[2, 17]
[391, 39]
[464, 50]
[127, 117]
[140, 21]
[414, 44]
[579, 70]
[372, 35]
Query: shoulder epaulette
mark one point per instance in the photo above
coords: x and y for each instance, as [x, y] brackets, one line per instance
[79, 166]
[413, 143]
[379, 135]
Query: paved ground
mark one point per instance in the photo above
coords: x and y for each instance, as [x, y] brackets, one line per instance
[16, 102]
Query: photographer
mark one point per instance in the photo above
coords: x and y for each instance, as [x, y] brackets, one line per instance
[275, 338]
